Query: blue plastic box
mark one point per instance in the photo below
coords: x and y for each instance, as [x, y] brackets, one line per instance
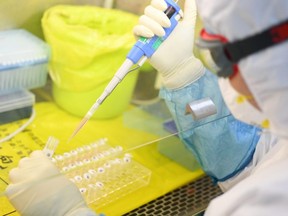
[23, 60]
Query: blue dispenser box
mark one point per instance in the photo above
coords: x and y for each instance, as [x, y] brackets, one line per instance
[23, 60]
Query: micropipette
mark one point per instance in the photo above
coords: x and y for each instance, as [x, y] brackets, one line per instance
[144, 48]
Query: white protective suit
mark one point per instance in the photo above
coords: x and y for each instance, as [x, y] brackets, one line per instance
[265, 190]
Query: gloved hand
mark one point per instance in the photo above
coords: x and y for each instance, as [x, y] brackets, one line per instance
[174, 59]
[38, 188]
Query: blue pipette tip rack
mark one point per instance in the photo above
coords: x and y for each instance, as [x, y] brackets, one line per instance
[23, 60]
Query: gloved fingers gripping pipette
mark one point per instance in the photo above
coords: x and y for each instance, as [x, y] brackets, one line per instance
[144, 48]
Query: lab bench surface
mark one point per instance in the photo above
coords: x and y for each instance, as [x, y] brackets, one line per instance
[173, 190]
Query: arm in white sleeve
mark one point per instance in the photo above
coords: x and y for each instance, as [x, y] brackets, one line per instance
[263, 192]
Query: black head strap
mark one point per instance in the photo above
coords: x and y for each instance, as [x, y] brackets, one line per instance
[247, 46]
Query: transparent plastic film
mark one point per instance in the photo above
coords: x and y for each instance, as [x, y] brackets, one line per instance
[96, 157]
[103, 173]
[135, 155]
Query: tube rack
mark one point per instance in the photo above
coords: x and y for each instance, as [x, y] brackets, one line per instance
[102, 173]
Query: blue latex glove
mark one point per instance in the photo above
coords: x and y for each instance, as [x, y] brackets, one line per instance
[222, 145]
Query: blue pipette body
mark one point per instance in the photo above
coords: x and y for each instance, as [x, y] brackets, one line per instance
[147, 46]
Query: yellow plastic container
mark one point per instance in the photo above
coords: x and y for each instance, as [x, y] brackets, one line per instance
[78, 103]
[88, 45]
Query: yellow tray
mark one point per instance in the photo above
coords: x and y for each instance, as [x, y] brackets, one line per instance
[52, 121]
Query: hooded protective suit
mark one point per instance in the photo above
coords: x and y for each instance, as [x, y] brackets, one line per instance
[265, 191]
[239, 19]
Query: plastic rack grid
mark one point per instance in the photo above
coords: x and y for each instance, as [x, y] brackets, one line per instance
[101, 172]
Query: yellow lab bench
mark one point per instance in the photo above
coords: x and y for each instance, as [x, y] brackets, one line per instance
[50, 120]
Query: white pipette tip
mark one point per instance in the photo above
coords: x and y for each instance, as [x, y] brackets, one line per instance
[85, 119]
[120, 74]
[81, 124]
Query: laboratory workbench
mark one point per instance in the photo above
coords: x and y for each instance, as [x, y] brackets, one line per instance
[172, 189]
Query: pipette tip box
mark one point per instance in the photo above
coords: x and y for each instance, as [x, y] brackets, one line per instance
[23, 60]
[15, 105]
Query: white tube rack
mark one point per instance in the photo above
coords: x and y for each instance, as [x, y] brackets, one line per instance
[102, 173]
